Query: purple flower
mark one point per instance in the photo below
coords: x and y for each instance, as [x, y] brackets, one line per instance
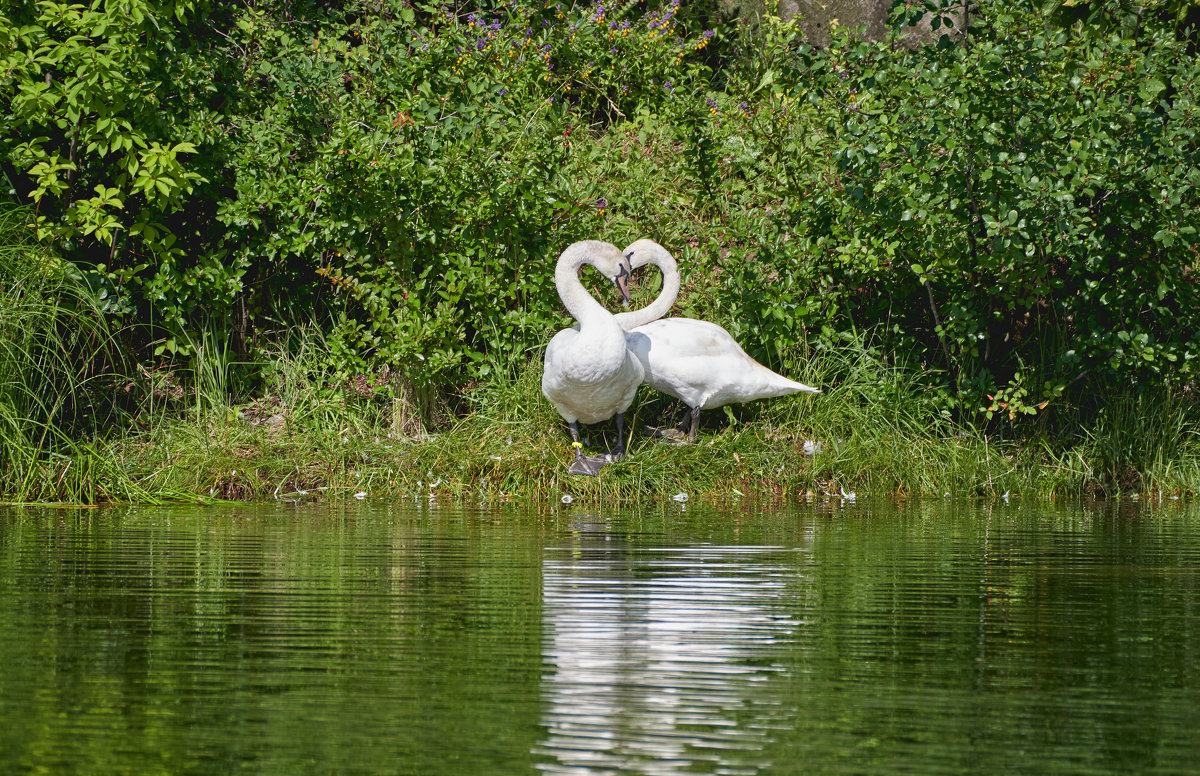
[503, 92]
[709, 33]
[667, 85]
[601, 203]
[545, 23]
[495, 25]
[550, 100]
[711, 102]
[612, 51]
[546, 47]
[480, 44]
[625, 24]
[743, 107]
[458, 49]
[654, 24]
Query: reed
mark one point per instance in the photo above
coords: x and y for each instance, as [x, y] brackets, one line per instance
[56, 359]
[1143, 440]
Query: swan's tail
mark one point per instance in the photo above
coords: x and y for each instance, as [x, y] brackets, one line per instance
[773, 384]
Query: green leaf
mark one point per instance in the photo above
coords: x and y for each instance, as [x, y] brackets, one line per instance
[1151, 88]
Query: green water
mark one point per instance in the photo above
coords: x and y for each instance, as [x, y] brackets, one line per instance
[368, 639]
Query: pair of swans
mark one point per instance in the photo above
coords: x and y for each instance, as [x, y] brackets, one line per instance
[593, 370]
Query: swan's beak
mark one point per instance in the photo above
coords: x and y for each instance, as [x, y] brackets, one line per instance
[621, 281]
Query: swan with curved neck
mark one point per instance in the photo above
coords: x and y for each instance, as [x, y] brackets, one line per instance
[590, 375]
[697, 362]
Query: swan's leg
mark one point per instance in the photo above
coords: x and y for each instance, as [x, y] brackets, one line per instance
[618, 452]
[695, 424]
[574, 426]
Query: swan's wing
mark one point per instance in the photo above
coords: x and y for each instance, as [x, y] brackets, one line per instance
[555, 368]
[700, 363]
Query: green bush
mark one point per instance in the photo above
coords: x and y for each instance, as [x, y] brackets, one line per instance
[105, 108]
[417, 172]
[1018, 211]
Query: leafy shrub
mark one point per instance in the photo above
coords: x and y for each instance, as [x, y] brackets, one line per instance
[1017, 211]
[104, 110]
[425, 193]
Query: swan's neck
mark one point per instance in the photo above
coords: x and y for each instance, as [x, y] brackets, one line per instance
[665, 299]
[575, 297]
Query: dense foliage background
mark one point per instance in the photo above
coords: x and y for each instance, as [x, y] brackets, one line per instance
[1013, 211]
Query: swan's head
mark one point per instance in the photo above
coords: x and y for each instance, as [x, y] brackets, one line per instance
[641, 252]
[613, 265]
[621, 281]
[605, 257]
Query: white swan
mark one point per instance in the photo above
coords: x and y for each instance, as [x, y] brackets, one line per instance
[590, 375]
[695, 361]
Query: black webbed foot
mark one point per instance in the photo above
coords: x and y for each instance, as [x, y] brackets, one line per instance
[587, 466]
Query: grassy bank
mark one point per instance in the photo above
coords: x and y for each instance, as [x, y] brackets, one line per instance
[873, 432]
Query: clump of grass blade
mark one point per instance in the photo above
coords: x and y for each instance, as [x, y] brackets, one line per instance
[55, 351]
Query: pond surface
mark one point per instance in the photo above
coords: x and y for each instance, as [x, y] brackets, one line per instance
[932, 638]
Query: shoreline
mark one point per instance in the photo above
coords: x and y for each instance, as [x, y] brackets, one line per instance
[512, 447]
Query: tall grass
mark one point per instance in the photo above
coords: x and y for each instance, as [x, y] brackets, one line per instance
[1145, 439]
[54, 347]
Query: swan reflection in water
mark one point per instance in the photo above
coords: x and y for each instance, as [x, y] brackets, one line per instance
[661, 661]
